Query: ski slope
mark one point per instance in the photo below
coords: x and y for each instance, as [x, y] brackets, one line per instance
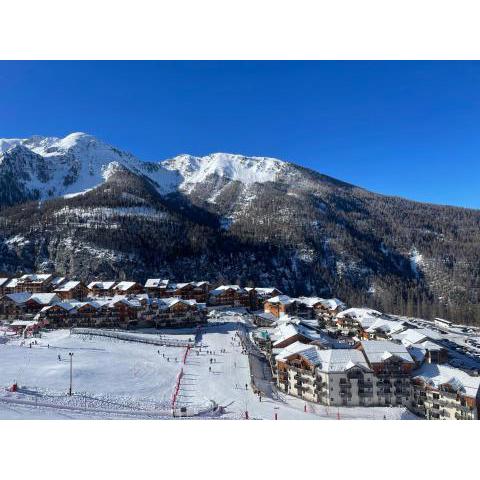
[126, 379]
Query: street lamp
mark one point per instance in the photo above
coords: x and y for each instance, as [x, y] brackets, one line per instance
[70, 354]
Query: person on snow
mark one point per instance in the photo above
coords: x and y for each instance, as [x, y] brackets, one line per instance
[59, 358]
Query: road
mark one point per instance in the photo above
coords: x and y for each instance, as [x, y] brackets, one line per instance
[260, 371]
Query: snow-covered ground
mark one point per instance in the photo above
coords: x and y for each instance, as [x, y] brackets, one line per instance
[123, 379]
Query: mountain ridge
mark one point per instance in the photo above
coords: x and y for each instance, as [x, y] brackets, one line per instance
[235, 218]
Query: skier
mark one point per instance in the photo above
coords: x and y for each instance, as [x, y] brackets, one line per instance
[158, 351]
[59, 358]
[211, 361]
[210, 369]
[246, 386]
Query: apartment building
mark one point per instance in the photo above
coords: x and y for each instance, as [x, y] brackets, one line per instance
[392, 364]
[334, 377]
[441, 392]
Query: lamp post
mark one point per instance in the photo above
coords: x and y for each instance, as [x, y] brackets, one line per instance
[71, 367]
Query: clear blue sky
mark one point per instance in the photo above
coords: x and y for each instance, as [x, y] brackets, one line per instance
[401, 128]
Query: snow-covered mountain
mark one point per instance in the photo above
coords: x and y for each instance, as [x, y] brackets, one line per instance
[230, 218]
[46, 167]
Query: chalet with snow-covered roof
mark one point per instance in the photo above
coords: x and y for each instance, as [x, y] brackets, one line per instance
[261, 295]
[72, 289]
[127, 288]
[61, 314]
[188, 291]
[231, 295]
[156, 287]
[100, 289]
[33, 283]
[355, 321]
[279, 305]
[441, 392]
[175, 312]
[13, 305]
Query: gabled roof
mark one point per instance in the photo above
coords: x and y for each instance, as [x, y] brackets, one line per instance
[19, 298]
[377, 351]
[123, 286]
[35, 277]
[333, 303]
[282, 299]
[438, 375]
[166, 303]
[44, 298]
[329, 361]
[223, 288]
[309, 301]
[341, 360]
[386, 326]
[156, 283]
[67, 306]
[100, 285]
[3, 281]
[67, 286]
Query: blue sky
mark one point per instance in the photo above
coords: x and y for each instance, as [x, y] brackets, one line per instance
[400, 128]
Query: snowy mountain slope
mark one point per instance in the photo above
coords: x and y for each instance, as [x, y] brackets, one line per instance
[47, 167]
[231, 218]
[236, 168]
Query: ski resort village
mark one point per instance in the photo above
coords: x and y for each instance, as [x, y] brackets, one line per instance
[159, 349]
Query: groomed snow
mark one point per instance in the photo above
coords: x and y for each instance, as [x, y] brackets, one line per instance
[120, 379]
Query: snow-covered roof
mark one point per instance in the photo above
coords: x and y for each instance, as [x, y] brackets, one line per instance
[294, 348]
[68, 306]
[101, 285]
[386, 326]
[331, 361]
[332, 303]
[44, 298]
[57, 281]
[156, 283]
[366, 317]
[358, 313]
[35, 277]
[123, 286]
[341, 360]
[165, 303]
[282, 299]
[67, 286]
[309, 301]
[20, 297]
[438, 375]
[286, 330]
[12, 283]
[3, 281]
[377, 351]
[222, 288]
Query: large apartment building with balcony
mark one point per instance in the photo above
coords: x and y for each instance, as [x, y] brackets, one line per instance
[335, 377]
[392, 364]
[441, 392]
